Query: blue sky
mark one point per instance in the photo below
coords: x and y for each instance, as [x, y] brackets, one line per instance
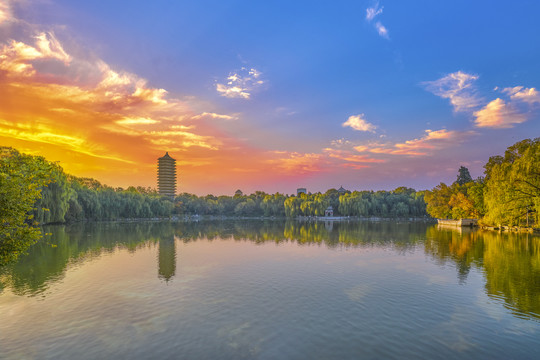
[318, 94]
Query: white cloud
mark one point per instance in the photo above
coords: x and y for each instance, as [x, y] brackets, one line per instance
[358, 123]
[382, 30]
[232, 91]
[214, 116]
[528, 95]
[340, 143]
[373, 11]
[240, 84]
[458, 87]
[256, 74]
[499, 115]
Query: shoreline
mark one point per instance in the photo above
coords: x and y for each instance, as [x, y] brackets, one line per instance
[196, 218]
[226, 218]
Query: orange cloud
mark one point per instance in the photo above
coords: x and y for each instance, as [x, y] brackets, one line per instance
[499, 115]
[43, 134]
[137, 121]
[296, 163]
[354, 166]
[351, 158]
[432, 141]
[16, 57]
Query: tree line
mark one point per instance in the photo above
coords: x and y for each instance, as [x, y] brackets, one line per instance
[401, 202]
[507, 195]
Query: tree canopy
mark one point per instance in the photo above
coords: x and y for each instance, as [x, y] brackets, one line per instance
[21, 179]
[508, 195]
[513, 185]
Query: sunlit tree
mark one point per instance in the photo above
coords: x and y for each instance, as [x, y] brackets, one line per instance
[21, 179]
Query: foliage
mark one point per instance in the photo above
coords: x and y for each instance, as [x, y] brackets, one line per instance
[457, 201]
[21, 179]
[509, 195]
[464, 176]
[402, 202]
[438, 201]
[55, 197]
[513, 185]
[34, 191]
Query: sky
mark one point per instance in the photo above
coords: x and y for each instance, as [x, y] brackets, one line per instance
[269, 95]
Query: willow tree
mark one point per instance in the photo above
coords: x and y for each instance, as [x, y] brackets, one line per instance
[53, 204]
[512, 191]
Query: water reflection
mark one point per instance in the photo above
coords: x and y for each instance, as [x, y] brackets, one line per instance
[48, 260]
[167, 258]
[510, 262]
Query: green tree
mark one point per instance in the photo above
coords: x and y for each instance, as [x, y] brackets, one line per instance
[512, 189]
[462, 200]
[463, 176]
[21, 180]
[438, 201]
[54, 202]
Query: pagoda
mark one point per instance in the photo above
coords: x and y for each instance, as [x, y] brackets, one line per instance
[166, 176]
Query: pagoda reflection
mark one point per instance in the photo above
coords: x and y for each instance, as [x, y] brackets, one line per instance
[167, 258]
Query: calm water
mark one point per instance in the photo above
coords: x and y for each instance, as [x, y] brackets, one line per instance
[272, 290]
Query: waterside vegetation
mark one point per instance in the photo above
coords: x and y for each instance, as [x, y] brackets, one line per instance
[34, 191]
[507, 196]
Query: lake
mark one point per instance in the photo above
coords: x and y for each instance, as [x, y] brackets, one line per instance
[272, 290]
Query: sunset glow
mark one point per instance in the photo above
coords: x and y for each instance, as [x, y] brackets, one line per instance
[279, 101]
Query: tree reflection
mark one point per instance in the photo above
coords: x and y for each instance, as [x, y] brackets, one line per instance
[510, 262]
[48, 260]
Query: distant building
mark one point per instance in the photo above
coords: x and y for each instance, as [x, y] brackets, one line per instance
[301, 191]
[329, 211]
[341, 190]
[166, 175]
[238, 193]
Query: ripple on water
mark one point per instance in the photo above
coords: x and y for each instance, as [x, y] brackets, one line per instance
[232, 299]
